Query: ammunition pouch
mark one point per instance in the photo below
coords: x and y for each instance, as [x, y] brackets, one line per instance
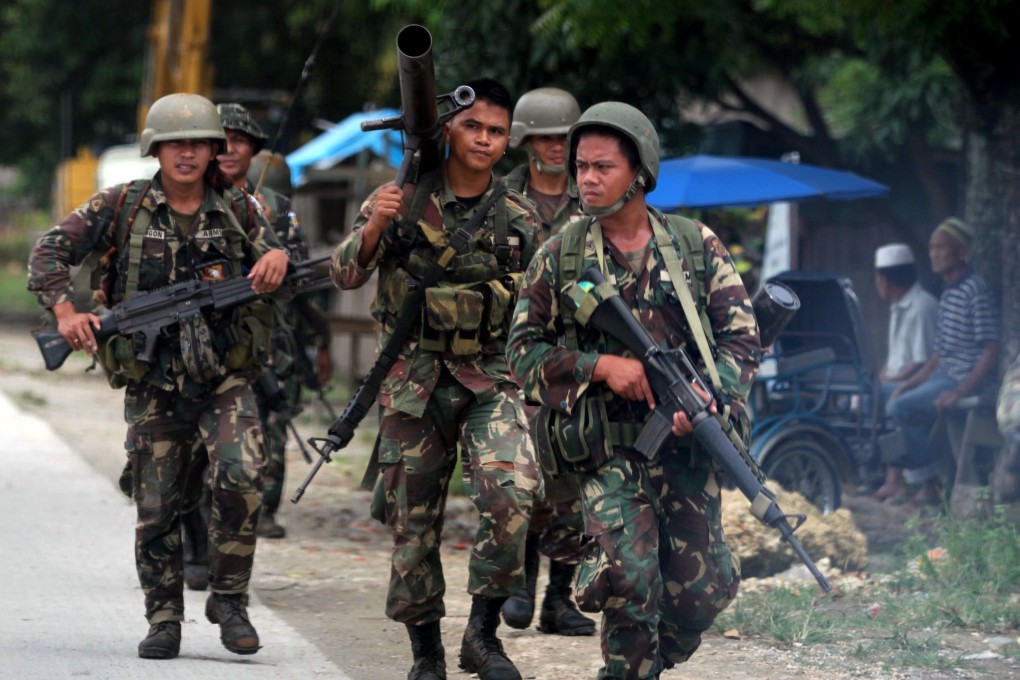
[250, 336]
[197, 350]
[579, 442]
[116, 355]
[462, 317]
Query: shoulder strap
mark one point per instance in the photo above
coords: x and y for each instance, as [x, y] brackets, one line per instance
[131, 229]
[697, 320]
[571, 259]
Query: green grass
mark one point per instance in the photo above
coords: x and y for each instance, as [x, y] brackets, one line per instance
[14, 295]
[954, 576]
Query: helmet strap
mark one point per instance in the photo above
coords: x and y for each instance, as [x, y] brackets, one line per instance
[542, 167]
[638, 183]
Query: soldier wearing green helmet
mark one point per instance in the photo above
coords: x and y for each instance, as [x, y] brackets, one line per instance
[300, 322]
[541, 120]
[195, 397]
[658, 567]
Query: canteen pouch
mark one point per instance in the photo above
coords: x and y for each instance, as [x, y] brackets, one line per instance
[251, 335]
[116, 356]
[578, 442]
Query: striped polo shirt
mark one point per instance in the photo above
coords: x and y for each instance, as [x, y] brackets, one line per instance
[968, 320]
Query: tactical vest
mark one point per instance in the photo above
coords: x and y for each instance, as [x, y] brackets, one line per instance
[239, 339]
[590, 422]
[681, 230]
[473, 302]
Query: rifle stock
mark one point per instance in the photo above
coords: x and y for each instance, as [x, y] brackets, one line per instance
[679, 386]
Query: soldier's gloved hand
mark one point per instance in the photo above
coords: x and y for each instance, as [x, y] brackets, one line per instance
[269, 272]
[75, 327]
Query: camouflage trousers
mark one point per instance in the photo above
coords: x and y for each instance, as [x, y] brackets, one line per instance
[559, 528]
[417, 458]
[165, 433]
[556, 516]
[658, 567]
[275, 426]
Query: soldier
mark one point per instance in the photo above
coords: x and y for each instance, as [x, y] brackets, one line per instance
[541, 120]
[299, 323]
[658, 566]
[181, 225]
[451, 385]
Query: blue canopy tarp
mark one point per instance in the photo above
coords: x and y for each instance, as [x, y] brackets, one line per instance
[343, 140]
[703, 181]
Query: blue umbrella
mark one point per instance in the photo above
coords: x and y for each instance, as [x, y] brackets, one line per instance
[713, 181]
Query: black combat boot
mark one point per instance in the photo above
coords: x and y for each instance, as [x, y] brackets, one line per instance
[481, 651]
[162, 642]
[520, 608]
[236, 632]
[429, 655]
[267, 526]
[559, 613]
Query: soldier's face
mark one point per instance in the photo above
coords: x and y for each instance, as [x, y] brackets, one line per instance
[235, 161]
[478, 136]
[603, 172]
[549, 149]
[183, 161]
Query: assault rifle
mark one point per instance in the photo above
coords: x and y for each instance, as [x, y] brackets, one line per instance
[678, 386]
[149, 314]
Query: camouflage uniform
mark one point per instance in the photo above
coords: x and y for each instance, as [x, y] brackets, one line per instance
[658, 566]
[300, 321]
[170, 414]
[556, 523]
[442, 393]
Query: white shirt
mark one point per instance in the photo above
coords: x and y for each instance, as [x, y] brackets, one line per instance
[912, 323]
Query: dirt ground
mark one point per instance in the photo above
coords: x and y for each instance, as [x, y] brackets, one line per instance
[328, 577]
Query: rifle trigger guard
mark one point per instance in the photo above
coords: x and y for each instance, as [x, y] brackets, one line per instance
[324, 446]
[795, 521]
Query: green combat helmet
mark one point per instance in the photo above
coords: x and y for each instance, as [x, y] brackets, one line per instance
[545, 111]
[277, 174]
[236, 117]
[634, 125]
[181, 116]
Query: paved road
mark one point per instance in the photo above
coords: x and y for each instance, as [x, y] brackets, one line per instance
[70, 601]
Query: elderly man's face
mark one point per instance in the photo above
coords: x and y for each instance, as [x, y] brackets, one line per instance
[946, 253]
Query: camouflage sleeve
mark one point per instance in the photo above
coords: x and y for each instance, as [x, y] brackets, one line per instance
[90, 227]
[343, 267]
[261, 237]
[733, 323]
[547, 372]
[524, 218]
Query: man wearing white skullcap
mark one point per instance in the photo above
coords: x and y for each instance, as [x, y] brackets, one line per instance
[913, 313]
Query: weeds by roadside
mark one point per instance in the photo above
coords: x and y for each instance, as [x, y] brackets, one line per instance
[955, 577]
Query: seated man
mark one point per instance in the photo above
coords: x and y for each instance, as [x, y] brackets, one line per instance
[913, 314]
[966, 352]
